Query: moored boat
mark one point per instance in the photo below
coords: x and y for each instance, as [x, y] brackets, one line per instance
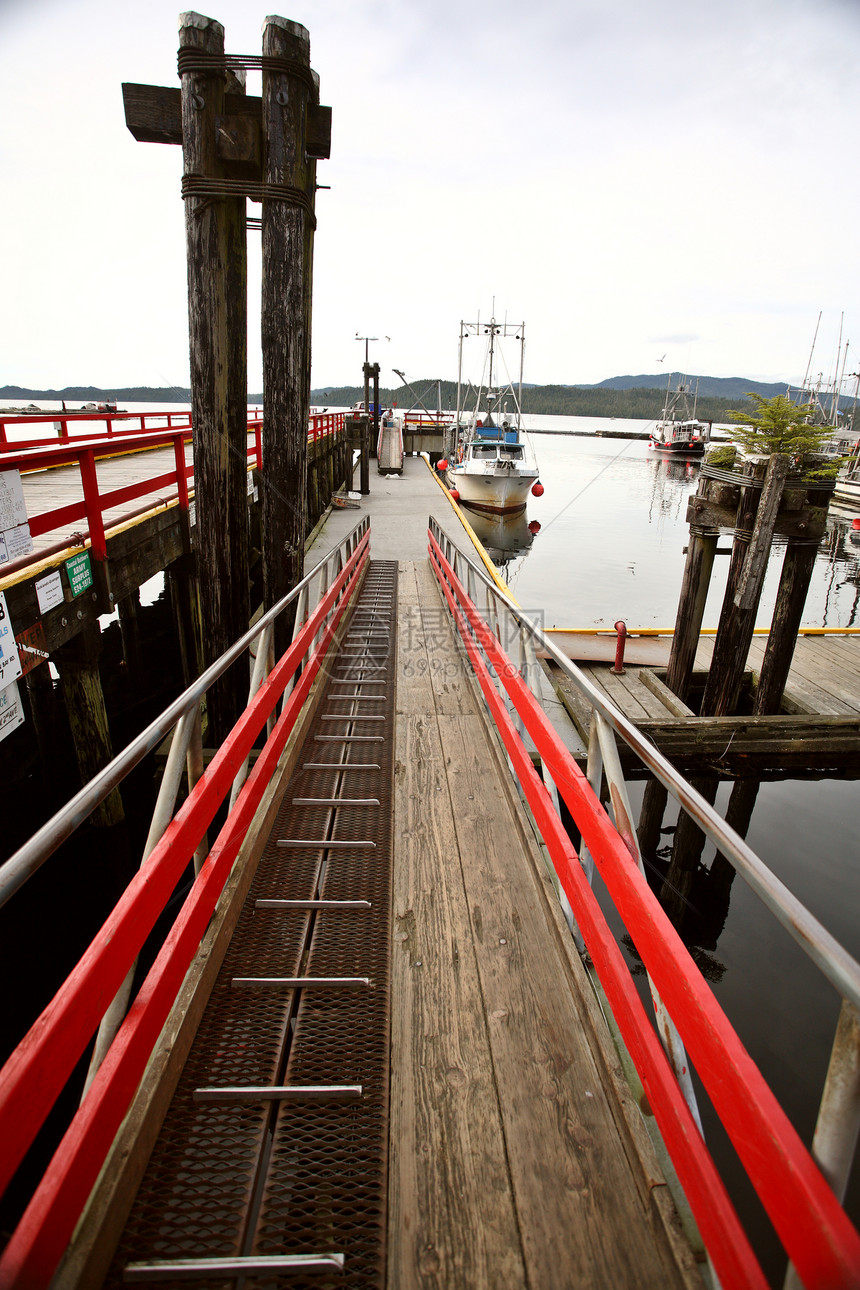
[679, 431]
[491, 465]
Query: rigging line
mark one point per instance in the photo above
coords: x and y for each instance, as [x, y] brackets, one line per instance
[593, 480]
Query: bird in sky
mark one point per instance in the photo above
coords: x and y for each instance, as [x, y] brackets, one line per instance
[659, 360]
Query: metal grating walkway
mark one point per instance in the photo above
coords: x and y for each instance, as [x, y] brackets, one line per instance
[276, 1142]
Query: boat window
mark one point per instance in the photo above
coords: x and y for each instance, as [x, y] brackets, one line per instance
[484, 450]
[512, 451]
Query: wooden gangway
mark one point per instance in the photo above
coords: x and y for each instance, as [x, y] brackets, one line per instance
[446, 1106]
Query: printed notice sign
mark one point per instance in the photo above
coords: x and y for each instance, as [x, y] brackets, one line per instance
[49, 592]
[32, 647]
[15, 539]
[79, 572]
[11, 711]
[10, 664]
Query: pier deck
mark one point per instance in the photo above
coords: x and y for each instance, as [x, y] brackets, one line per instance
[511, 1152]
[816, 731]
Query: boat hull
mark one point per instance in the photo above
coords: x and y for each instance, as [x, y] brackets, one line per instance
[491, 493]
[678, 449]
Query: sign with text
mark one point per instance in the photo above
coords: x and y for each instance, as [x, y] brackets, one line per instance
[49, 591]
[15, 539]
[10, 664]
[11, 711]
[32, 647]
[79, 572]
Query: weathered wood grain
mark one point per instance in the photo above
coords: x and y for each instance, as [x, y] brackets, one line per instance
[513, 1161]
[451, 1214]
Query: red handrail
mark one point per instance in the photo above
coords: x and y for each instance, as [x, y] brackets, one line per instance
[821, 1241]
[37, 1071]
[319, 424]
[46, 454]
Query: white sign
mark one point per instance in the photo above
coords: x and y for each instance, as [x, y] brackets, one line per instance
[49, 591]
[12, 509]
[15, 539]
[192, 514]
[11, 711]
[10, 663]
[15, 542]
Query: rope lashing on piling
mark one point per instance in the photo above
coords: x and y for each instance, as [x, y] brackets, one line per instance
[215, 187]
[197, 61]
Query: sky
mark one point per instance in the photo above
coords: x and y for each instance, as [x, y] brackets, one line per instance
[637, 180]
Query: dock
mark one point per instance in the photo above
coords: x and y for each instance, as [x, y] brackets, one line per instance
[377, 1051]
[816, 731]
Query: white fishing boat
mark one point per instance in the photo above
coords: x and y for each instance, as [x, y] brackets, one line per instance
[491, 466]
[679, 431]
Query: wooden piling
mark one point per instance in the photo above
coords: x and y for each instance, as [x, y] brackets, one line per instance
[217, 323]
[129, 627]
[78, 664]
[185, 604]
[743, 592]
[287, 227]
[794, 581]
[691, 609]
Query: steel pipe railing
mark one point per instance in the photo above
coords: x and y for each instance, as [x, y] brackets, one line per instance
[839, 1117]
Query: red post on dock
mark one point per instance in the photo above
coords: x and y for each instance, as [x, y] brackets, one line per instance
[621, 628]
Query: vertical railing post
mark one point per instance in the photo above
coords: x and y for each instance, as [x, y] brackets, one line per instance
[92, 501]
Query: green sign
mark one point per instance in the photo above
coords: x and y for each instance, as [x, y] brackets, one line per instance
[79, 572]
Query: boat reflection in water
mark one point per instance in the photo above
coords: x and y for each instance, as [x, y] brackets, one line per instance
[503, 537]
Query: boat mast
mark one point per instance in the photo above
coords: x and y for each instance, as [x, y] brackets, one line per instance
[811, 352]
[522, 360]
[460, 369]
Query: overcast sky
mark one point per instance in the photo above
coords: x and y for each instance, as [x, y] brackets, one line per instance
[633, 178]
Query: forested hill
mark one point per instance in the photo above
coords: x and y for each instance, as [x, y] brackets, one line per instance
[550, 400]
[718, 387]
[620, 396]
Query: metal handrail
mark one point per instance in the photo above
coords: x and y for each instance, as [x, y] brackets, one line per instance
[831, 958]
[45, 841]
[838, 1121]
[39, 1068]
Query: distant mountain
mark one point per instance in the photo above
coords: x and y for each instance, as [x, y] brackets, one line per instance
[719, 387]
[618, 396]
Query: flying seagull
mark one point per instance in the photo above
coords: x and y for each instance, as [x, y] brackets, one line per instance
[659, 360]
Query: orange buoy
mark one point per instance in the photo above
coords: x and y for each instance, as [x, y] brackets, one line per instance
[534, 527]
[455, 493]
[855, 523]
[442, 464]
[537, 489]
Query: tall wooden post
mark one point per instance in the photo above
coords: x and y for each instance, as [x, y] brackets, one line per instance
[691, 609]
[794, 582]
[743, 593]
[78, 664]
[288, 223]
[374, 440]
[217, 325]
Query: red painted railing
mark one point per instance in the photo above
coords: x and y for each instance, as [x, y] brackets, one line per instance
[820, 1240]
[88, 515]
[67, 427]
[37, 1071]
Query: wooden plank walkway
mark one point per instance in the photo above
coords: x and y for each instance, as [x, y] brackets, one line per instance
[518, 1157]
